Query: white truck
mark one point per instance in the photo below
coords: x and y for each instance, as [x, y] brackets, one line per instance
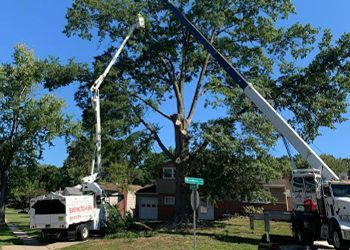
[68, 214]
[321, 203]
[76, 211]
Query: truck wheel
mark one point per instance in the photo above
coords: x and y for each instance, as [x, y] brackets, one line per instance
[338, 242]
[83, 232]
[295, 233]
[302, 236]
[43, 237]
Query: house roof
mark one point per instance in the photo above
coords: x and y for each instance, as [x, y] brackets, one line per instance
[148, 189]
[108, 186]
[135, 188]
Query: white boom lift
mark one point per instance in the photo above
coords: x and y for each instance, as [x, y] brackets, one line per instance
[76, 211]
[96, 105]
[321, 203]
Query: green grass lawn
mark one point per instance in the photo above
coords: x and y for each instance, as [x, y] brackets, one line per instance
[229, 234]
[21, 220]
[6, 236]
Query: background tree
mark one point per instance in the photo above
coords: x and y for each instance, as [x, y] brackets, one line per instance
[338, 165]
[164, 63]
[28, 122]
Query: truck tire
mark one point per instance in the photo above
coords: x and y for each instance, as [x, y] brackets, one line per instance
[302, 235]
[43, 237]
[82, 232]
[338, 241]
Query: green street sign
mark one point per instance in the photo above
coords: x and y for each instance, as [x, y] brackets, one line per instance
[194, 181]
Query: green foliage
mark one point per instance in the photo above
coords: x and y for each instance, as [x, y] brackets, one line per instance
[338, 165]
[231, 171]
[31, 181]
[247, 34]
[124, 227]
[160, 62]
[247, 210]
[28, 122]
[115, 222]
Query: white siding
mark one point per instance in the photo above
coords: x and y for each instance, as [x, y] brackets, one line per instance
[131, 202]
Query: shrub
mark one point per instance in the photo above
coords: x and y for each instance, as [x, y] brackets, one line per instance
[115, 222]
[247, 210]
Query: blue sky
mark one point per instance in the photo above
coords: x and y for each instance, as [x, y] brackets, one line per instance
[39, 24]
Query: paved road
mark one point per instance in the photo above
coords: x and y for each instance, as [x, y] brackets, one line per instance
[318, 245]
[56, 245]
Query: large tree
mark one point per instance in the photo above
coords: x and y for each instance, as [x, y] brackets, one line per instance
[28, 121]
[166, 64]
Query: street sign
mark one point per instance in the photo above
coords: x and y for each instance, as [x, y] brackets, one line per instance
[195, 199]
[193, 180]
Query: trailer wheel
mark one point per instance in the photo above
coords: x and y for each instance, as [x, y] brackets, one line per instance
[338, 241]
[83, 232]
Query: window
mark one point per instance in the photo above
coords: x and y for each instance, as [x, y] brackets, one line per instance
[168, 173]
[341, 190]
[327, 192]
[169, 200]
[310, 184]
[298, 185]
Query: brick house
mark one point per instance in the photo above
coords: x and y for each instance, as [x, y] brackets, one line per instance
[124, 198]
[279, 189]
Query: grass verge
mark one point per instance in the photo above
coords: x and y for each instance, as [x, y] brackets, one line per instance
[229, 234]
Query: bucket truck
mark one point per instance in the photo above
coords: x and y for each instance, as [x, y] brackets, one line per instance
[321, 202]
[76, 211]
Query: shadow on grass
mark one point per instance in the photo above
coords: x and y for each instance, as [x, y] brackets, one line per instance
[211, 224]
[12, 241]
[222, 237]
[10, 238]
[239, 239]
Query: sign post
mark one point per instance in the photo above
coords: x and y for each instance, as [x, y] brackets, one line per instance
[194, 183]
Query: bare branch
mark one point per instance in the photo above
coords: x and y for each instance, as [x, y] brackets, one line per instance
[199, 84]
[180, 106]
[154, 134]
[151, 106]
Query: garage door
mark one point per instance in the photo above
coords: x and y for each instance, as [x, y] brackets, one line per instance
[149, 208]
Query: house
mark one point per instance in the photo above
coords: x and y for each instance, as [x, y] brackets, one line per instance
[279, 189]
[157, 201]
[123, 197]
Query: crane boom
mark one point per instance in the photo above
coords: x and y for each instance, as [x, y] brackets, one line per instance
[264, 106]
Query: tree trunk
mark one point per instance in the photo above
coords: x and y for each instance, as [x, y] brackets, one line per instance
[181, 163]
[3, 190]
[182, 194]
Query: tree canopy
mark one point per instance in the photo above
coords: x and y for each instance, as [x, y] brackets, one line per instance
[164, 63]
[29, 121]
